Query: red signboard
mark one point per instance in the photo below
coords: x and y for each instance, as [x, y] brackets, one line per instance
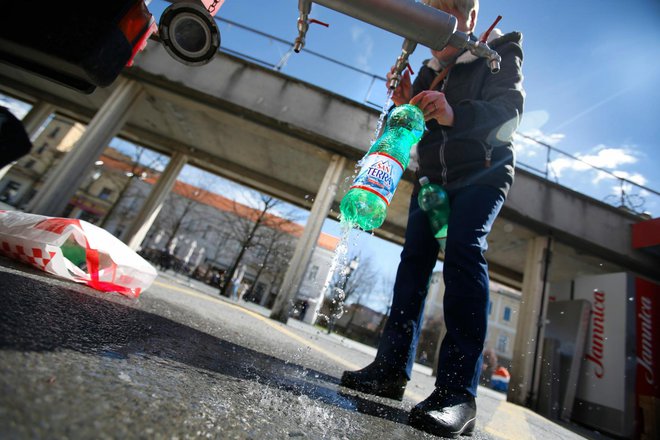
[646, 234]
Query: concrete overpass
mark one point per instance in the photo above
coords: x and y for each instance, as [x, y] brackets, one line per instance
[293, 140]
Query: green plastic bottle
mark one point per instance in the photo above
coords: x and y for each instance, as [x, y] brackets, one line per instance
[75, 253]
[365, 204]
[433, 200]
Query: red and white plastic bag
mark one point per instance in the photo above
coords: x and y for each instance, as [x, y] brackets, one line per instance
[76, 250]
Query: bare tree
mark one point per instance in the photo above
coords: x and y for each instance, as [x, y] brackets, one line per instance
[183, 207]
[137, 170]
[245, 223]
[183, 210]
[275, 250]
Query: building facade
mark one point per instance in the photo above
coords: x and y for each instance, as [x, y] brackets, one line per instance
[27, 175]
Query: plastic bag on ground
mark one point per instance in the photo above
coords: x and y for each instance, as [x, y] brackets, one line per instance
[76, 250]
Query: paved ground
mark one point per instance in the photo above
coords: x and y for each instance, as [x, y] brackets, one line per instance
[181, 362]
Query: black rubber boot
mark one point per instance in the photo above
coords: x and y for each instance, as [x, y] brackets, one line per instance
[445, 415]
[376, 380]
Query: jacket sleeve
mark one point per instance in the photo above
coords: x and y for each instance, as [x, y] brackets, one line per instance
[496, 116]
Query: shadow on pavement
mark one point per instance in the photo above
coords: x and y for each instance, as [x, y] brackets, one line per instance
[37, 316]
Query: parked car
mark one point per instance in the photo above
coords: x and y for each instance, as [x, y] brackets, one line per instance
[80, 44]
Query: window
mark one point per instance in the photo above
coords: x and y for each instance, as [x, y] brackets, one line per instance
[313, 272]
[507, 314]
[502, 343]
[490, 307]
[10, 191]
[30, 163]
[42, 148]
[88, 217]
[54, 133]
[105, 193]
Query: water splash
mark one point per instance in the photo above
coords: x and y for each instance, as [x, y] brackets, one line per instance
[381, 118]
[339, 260]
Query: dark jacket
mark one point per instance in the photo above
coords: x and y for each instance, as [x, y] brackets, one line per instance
[487, 110]
[14, 141]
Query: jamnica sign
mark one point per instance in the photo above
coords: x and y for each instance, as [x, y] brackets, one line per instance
[597, 346]
[648, 342]
[645, 353]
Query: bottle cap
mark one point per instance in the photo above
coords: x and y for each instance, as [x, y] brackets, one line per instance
[424, 180]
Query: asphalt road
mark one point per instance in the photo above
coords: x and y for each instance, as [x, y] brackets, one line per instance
[182, 363]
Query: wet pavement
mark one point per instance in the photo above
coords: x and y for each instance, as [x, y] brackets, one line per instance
[181, 363]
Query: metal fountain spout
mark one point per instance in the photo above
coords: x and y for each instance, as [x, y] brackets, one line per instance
[401, 62]
[478, 48]
[304, 6]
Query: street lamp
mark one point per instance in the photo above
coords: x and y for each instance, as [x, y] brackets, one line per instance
[352, 267]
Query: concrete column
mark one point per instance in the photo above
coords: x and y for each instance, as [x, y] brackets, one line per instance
[62, 184]
[528, 346]
[307, 243]
[142, 223]
[32, 122]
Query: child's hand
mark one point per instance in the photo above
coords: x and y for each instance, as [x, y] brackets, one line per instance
[402, 93]
[435, 106]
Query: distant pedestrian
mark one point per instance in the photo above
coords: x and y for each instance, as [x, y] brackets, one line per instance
[489, 365]
[500, 379]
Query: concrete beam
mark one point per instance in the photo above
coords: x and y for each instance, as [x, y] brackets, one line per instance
[257, 92]
[579, 221]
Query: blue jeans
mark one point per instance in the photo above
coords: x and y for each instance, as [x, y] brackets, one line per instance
[473, 211]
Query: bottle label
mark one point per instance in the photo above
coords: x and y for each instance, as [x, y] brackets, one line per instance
[380, 174]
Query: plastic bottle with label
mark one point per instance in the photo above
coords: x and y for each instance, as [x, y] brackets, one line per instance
[75, 253]
[433, 200]
[365, 204]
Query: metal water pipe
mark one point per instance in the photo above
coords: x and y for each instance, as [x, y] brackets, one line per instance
[414, 21]
[408, 18]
